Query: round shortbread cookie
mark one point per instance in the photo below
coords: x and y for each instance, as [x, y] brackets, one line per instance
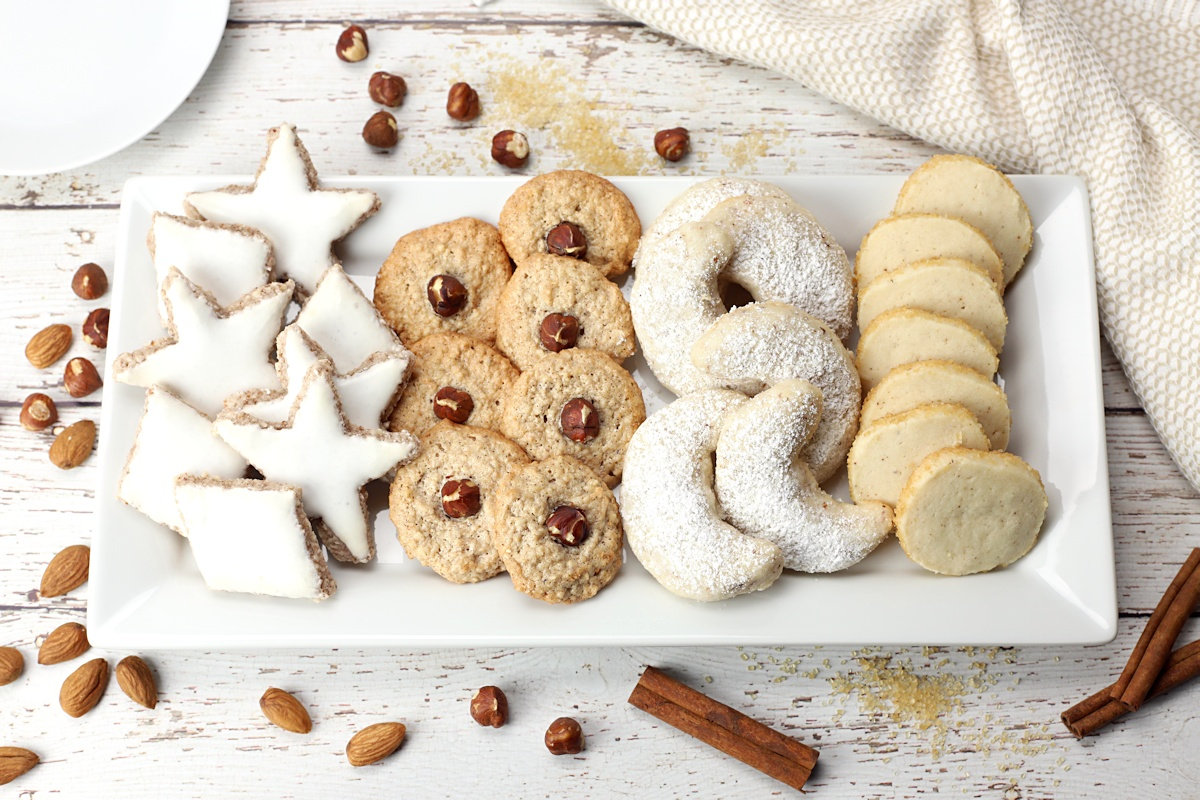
[672, 521]
[951, 287]
[767, 491]
[977, 193]
[539, 562]
[695, 203]
[459, 548]
[905, 335]
[600, 211]
[964, 511]
[467, 250]
[885, 453]
[545, 285]
[453, 361]
[536, 402]
[921, 382]
[907, 238]
[757, 345]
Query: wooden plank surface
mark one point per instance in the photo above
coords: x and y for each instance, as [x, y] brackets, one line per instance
[589, 88]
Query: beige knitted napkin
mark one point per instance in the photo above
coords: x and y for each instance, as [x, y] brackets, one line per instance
[1105, 89]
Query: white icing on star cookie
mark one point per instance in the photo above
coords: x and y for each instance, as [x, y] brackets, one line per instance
[172, 439]
[210, 352]
[301, 220]
[331, 460]
[252, 536]
[340, 318]
[367, 394]
[227, 261]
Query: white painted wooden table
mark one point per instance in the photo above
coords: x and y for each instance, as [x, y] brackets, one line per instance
[986, 721]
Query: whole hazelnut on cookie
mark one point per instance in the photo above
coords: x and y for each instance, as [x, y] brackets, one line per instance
[568, 525]
[559, 332]
[579, 420]
[446, 295]
[566, 239]
[460, 498]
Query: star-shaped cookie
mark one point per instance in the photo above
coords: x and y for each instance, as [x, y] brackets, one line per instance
[367, 394]
[329, 459]
[284, 202]
[340, 318]
[210, 352]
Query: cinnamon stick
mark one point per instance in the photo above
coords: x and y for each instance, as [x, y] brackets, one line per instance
[1153, 648]
[724, 728]
[1089, 716]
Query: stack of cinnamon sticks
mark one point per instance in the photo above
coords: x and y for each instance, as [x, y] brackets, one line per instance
[1153, 667]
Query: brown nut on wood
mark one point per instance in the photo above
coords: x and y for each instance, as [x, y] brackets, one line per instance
[48, 345]
[452, 404]
[446, 295]
[381, 130]
[95, 328]
[84, 687]
[89, 281]
[673, 143]
[387, 89]
[559, 332]
[284, 710]
[38, 412]
[462, 102]
[67, 571]
[460, 498]
[72, 447]
[565, 239]
[374, 742]
[564, 737]
[352, 44]
[510, 148]
[489, 706]
[12, 664]
[579, 420]
[66, 642]
[137, 681]
[568, 525]
[80, 377]
[15, 762]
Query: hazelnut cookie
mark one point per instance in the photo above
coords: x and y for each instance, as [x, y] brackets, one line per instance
[581, 404]
[446, 277]
[453, 377]
[553, 304]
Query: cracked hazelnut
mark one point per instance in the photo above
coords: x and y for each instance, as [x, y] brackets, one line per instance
[38, 412]
[387, 89]
[579, 420]
[352, 44]
[489, 706]
[452, 404]
[672, 144]
[564, 737]
[80, 377]
[95, 328]
[460, 498]
[381, 130]
[559, 332]
[462, 103]
[567, 525]
[510, 148]
[89, 282]
[565, 239]
[446, 294]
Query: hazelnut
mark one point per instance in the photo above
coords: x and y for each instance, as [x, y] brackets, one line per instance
[568, 526]
[95, 328]
[462, 103]
[565, 239]
[38, 412]
[672, 144]
[559, 332]
[81, 378]
[352, 44]
[446, 294]
[489, 706]
[89, 281]
[579, 420]
[460, 498]
[452, 404]
[381, 130]
[564, 737]
[387, 89]
[510, 148]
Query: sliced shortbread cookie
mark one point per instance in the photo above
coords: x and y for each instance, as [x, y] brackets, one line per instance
[905, 335]
[921, 382]
[965, 511]
[975, 192]
[951, 287]
[906, 238]
[885, 453]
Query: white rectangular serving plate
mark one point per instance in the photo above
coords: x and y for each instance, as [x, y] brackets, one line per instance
[147, 594]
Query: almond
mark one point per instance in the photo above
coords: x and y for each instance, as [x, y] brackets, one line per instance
[137, 681]
[72, 447]
[15, 762]
[374, 742]
[84, 687]
[285, 711]
[12, 664]
[48, 345]
[64, 643]
[66, 571]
